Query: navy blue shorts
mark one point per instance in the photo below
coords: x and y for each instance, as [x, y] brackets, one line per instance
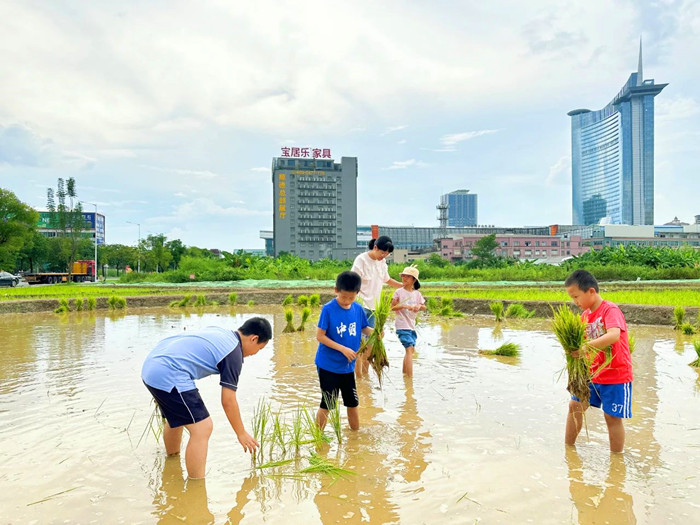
[614, 399]
[332, 383]
[180, 408]
[407, 337]
[370, 316]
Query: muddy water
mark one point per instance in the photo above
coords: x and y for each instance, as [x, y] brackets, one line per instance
[470, 439]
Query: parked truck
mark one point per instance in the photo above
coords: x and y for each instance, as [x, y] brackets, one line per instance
[82, 271]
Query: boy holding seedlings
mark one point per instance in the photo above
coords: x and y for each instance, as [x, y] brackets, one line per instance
[611, 375]
[169, 373]
[340, 325]
[407, 302]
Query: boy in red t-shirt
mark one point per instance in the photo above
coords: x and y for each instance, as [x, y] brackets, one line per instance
[611, 382]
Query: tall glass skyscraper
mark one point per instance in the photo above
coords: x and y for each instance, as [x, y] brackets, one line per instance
[612, 156]
[461, 208]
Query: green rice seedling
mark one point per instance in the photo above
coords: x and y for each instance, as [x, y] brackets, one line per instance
[201, 300]
[173, 304]
[679, 317]
[314, 300]
[251, 303]
[288, 300]
[261, 424]
[374, 343]
[632, 341]
[506, 350]
[497, 310]
[91, 303]
[63, 303]
[433, 304]
[112, 302]
[696, 346]
[318, 437]
[289, 317]
[155, 424]
[687, 329]
[274, 464]
[305, 314]
[232, 298]
[182, 303]
[78, 303]
[60, 310]
[303, 300]
[296, 438]
[278, 434]
[571, 332]
[320, 465]
[518, 310]
[334, 419]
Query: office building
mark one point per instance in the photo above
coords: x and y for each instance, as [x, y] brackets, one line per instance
[315, 207]
[461, 208]
[94, 225]
[612, 156]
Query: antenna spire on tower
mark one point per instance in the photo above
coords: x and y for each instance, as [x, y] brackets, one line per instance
[640, 75]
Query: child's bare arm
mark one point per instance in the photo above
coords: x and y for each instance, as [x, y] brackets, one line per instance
[322, 338]
[233, 413]
[607, 339]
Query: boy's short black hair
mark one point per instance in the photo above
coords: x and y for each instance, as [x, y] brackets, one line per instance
[257, 326]
[583, 279]
[348, 282]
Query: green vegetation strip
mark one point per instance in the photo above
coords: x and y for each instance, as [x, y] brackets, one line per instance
[56, 291]
[654, 296]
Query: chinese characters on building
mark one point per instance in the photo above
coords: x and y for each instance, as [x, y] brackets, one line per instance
[306, 153]
[282, 196]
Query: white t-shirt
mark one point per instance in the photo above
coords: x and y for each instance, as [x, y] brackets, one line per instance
[374, 274]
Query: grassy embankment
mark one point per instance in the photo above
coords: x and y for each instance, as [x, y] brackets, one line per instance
[68, 291]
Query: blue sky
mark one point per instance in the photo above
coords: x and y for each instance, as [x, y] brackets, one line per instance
[168, 113]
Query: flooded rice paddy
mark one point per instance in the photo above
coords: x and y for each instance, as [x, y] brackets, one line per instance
[471, 439]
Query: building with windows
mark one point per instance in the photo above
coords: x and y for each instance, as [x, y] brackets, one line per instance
[315, 207]
[94, 225]
[519, 246]
[461, 208]
[612, 156]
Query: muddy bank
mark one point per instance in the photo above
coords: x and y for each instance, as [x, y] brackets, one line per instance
[634, 313]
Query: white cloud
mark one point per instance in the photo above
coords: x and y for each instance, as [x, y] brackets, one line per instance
[199, 174]
[403, 164]
[676, 108]
[21, 146]
[455, 138]
[559, 171]
[261, 169]
[392, 129]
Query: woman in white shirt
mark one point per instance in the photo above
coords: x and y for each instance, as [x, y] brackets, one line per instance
[374, 272]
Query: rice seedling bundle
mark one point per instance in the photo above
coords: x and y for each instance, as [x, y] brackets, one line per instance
[289, 317]
[518, 310]
[679, 317]
[305, 314]
[571, 333]
[497, 310]
[78, 304]
[184, 301]
[251, 303]
[320, 465]
[63, 303]
[232, 298]
[303, 300]
[687, 328]
[433, 304]
[374, 344]
[632, 341]
[696, 346]
[201, 300]
[334, 419]
[288, 300]
[314, 300]
[91, 303]
[506, 350]
[318, 437]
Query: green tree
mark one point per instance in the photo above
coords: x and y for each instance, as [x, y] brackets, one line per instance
[177, 250]
[484, 249]
[34, 253]
[67, 218]
[18, 223]
[118, 256]
[158, 256]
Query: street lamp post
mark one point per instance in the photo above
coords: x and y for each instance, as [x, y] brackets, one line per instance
[138, 247]
[95, 268]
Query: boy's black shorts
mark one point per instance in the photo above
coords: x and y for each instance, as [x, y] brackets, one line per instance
[180, 408]
[332, 383]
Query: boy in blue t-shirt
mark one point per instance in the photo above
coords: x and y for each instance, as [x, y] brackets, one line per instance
[339, 327]
[169, 372]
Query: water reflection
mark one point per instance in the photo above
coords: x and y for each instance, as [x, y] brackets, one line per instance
[416, 442]
[605, 502]
[178, 500]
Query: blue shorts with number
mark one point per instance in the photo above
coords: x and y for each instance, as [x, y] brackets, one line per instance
[614, 399]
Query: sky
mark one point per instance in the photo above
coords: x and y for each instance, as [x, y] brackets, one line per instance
[168, 113]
